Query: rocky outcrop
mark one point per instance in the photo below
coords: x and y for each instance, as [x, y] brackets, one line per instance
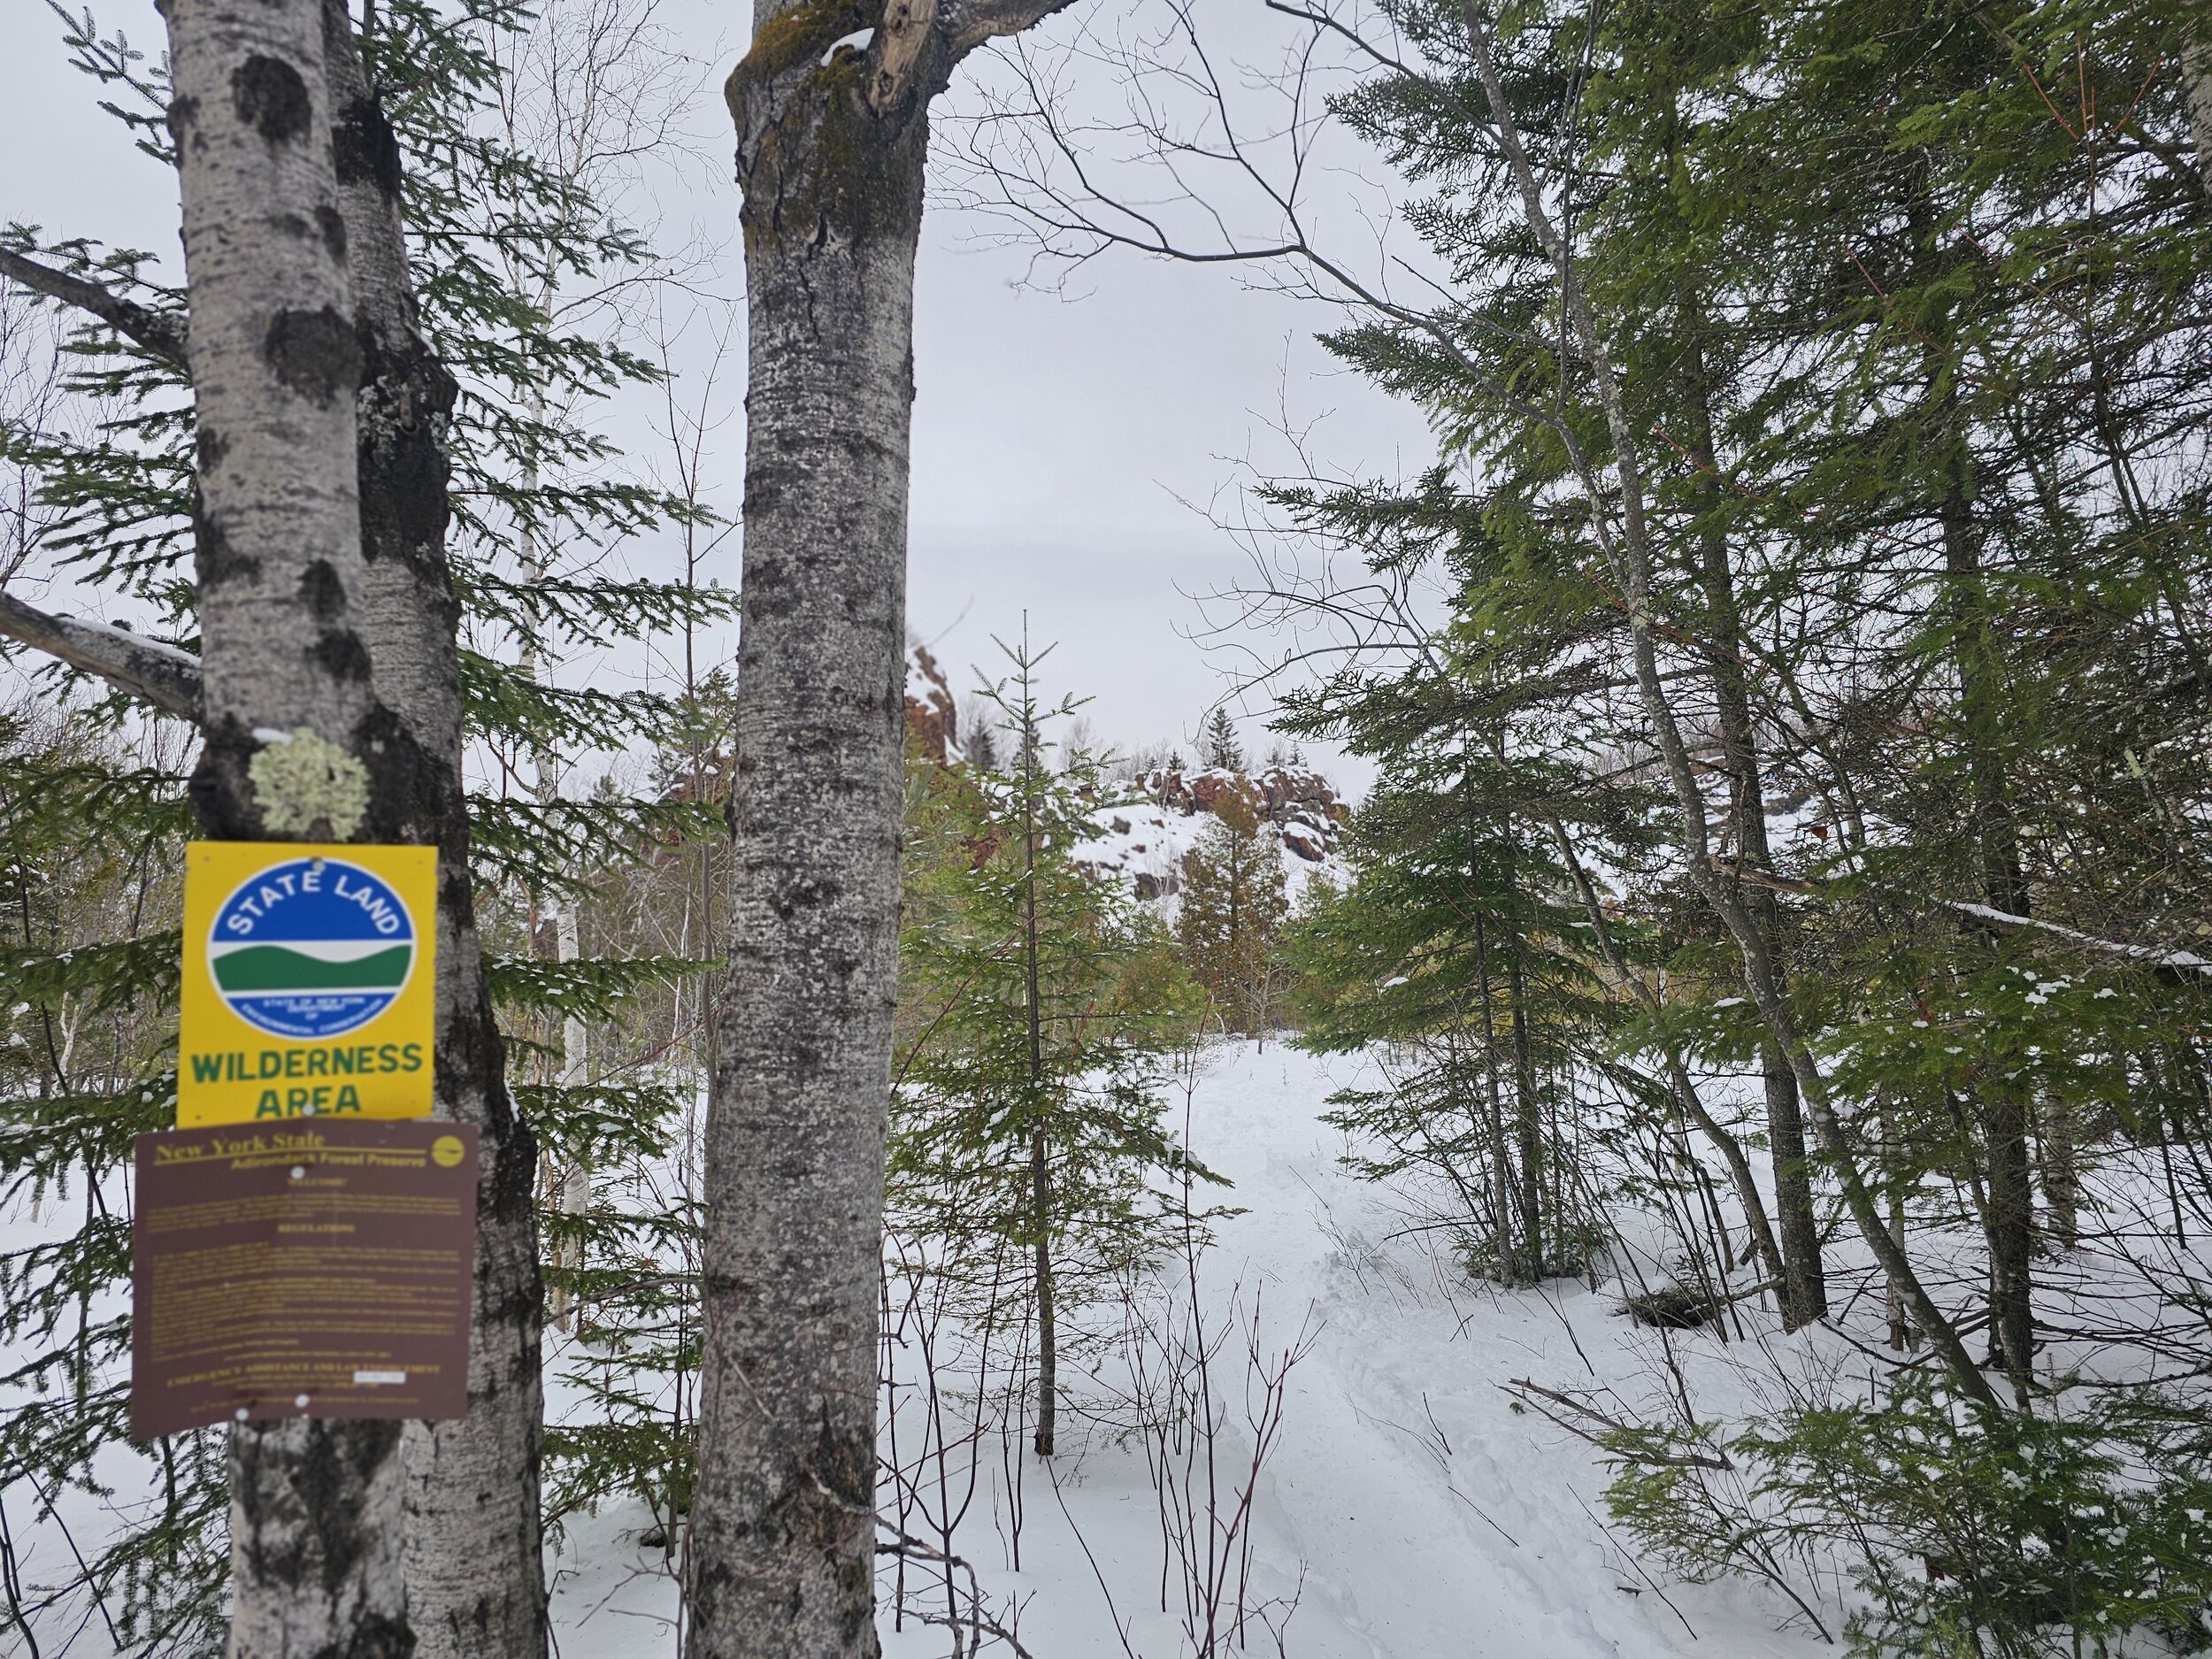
[1142, 828]
[1295, 799]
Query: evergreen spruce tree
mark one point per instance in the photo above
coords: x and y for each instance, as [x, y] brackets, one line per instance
[1452, 956]
[94, 830]
[1036, 1001]
[1219, 745]
[1818, 378]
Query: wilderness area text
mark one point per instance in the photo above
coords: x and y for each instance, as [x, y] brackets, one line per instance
[325, 1060]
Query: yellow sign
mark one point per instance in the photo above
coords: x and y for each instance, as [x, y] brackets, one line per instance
[309, 981]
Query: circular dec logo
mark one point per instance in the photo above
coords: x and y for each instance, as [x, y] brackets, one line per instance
[310, 948]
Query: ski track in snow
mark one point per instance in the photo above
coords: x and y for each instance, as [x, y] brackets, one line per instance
[1416, 1513]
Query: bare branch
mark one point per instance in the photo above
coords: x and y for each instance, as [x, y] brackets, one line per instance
[162, 675]
[1584, 1415]
[971, 22]
[2157, 957]
[161, 333]
[1989, 916]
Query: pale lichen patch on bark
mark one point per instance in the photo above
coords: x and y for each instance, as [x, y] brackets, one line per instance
[305, 780]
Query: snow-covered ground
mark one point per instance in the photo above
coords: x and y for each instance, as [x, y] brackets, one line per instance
[1411, 1510]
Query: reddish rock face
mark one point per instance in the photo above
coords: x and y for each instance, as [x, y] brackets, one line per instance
[1209, 789]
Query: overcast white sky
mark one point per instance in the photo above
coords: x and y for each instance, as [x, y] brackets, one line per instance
[1056, 439]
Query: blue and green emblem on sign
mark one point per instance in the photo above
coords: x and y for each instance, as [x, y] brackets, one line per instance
[308, 978]
[312, 948]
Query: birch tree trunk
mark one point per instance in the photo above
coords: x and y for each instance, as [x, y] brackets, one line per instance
[783, 1526]
[831, 144]
[1802, 1290]
[475, 1575]
[2197, 66]
[291, 718]
[370, 608]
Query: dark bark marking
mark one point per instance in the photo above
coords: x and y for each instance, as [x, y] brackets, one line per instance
[513, 1185]
[806, 895]
[219, 789]
[314, 353]
[182, 112]
[209, 447]
[364, 146]
[321, 591]
[341, 654]
[327, 1483]
[403, 793]
[413, 800]
[374, 1637]
[218, 562]
[845, 1463]
[769, 589]
[333, 224]
[328, 1480]
[408, 400]
[269, 96]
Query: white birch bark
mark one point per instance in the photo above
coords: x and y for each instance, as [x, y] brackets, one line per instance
[314, 1526]
[288, 705]
[831, 144]
[475, 1577]
[275, 366]
[575, 1193]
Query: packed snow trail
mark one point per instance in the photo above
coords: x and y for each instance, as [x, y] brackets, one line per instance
[1415, 1513]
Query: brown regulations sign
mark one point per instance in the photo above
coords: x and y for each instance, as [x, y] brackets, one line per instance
[319, 1268]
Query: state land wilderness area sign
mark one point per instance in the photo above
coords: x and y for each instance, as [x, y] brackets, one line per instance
[309, 981]
[295, 1251]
